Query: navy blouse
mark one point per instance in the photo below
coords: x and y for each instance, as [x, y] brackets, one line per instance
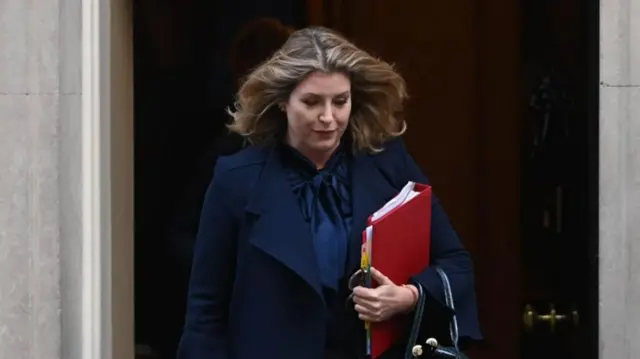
[324, 197]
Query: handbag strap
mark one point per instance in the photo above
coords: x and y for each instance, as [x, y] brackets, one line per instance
[448, 297]
[417, 321]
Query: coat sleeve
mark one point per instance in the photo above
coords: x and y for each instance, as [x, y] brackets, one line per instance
[205, 333]
[448, 253]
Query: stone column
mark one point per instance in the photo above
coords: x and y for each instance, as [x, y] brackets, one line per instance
[40, 173]
[619, 179]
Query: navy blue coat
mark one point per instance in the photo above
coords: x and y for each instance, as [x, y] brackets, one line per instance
[255, 290]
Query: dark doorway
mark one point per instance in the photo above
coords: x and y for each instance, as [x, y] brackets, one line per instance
[560, 180]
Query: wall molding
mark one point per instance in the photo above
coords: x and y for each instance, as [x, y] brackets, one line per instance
[95, 181]
[107, 180]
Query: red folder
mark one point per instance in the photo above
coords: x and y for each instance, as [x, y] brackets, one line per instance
[399, 244]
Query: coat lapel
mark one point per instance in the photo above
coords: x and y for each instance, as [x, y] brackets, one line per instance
[280, 230]
[370, 191]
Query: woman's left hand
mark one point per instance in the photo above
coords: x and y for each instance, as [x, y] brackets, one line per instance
[385, 301]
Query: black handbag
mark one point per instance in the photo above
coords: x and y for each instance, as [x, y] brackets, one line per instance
[430, 348]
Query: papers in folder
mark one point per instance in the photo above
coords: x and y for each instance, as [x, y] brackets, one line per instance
[396, 242]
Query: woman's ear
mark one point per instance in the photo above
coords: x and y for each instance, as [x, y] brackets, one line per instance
[282, 106]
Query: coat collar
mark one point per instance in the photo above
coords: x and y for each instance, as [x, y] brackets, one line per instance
[280, 230]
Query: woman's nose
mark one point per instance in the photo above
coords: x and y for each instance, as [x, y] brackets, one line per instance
[327, 115]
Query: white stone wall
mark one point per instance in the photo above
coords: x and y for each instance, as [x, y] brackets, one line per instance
[39, 178]
[619, 179]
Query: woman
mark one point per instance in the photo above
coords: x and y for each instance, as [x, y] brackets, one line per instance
[281, 224]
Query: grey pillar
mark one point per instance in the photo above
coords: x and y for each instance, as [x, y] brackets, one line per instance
[40, 233]
[620, 179]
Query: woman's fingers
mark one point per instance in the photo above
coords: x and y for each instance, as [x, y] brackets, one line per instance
[367, 318]
[380, 278]
[369, 302]
[366, 303]
[364, 292]
[365, 313]
[362, 310]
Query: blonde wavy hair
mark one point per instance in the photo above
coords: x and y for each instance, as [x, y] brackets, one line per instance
[378, 91]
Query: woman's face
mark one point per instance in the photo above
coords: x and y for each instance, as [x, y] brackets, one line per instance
[318, 113]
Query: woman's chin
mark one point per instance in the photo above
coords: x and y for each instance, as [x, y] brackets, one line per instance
[325, 146]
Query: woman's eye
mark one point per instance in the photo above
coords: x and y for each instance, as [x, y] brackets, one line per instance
[310, 103]
[340, 102]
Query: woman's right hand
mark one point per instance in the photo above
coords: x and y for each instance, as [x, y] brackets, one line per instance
[383, 302]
